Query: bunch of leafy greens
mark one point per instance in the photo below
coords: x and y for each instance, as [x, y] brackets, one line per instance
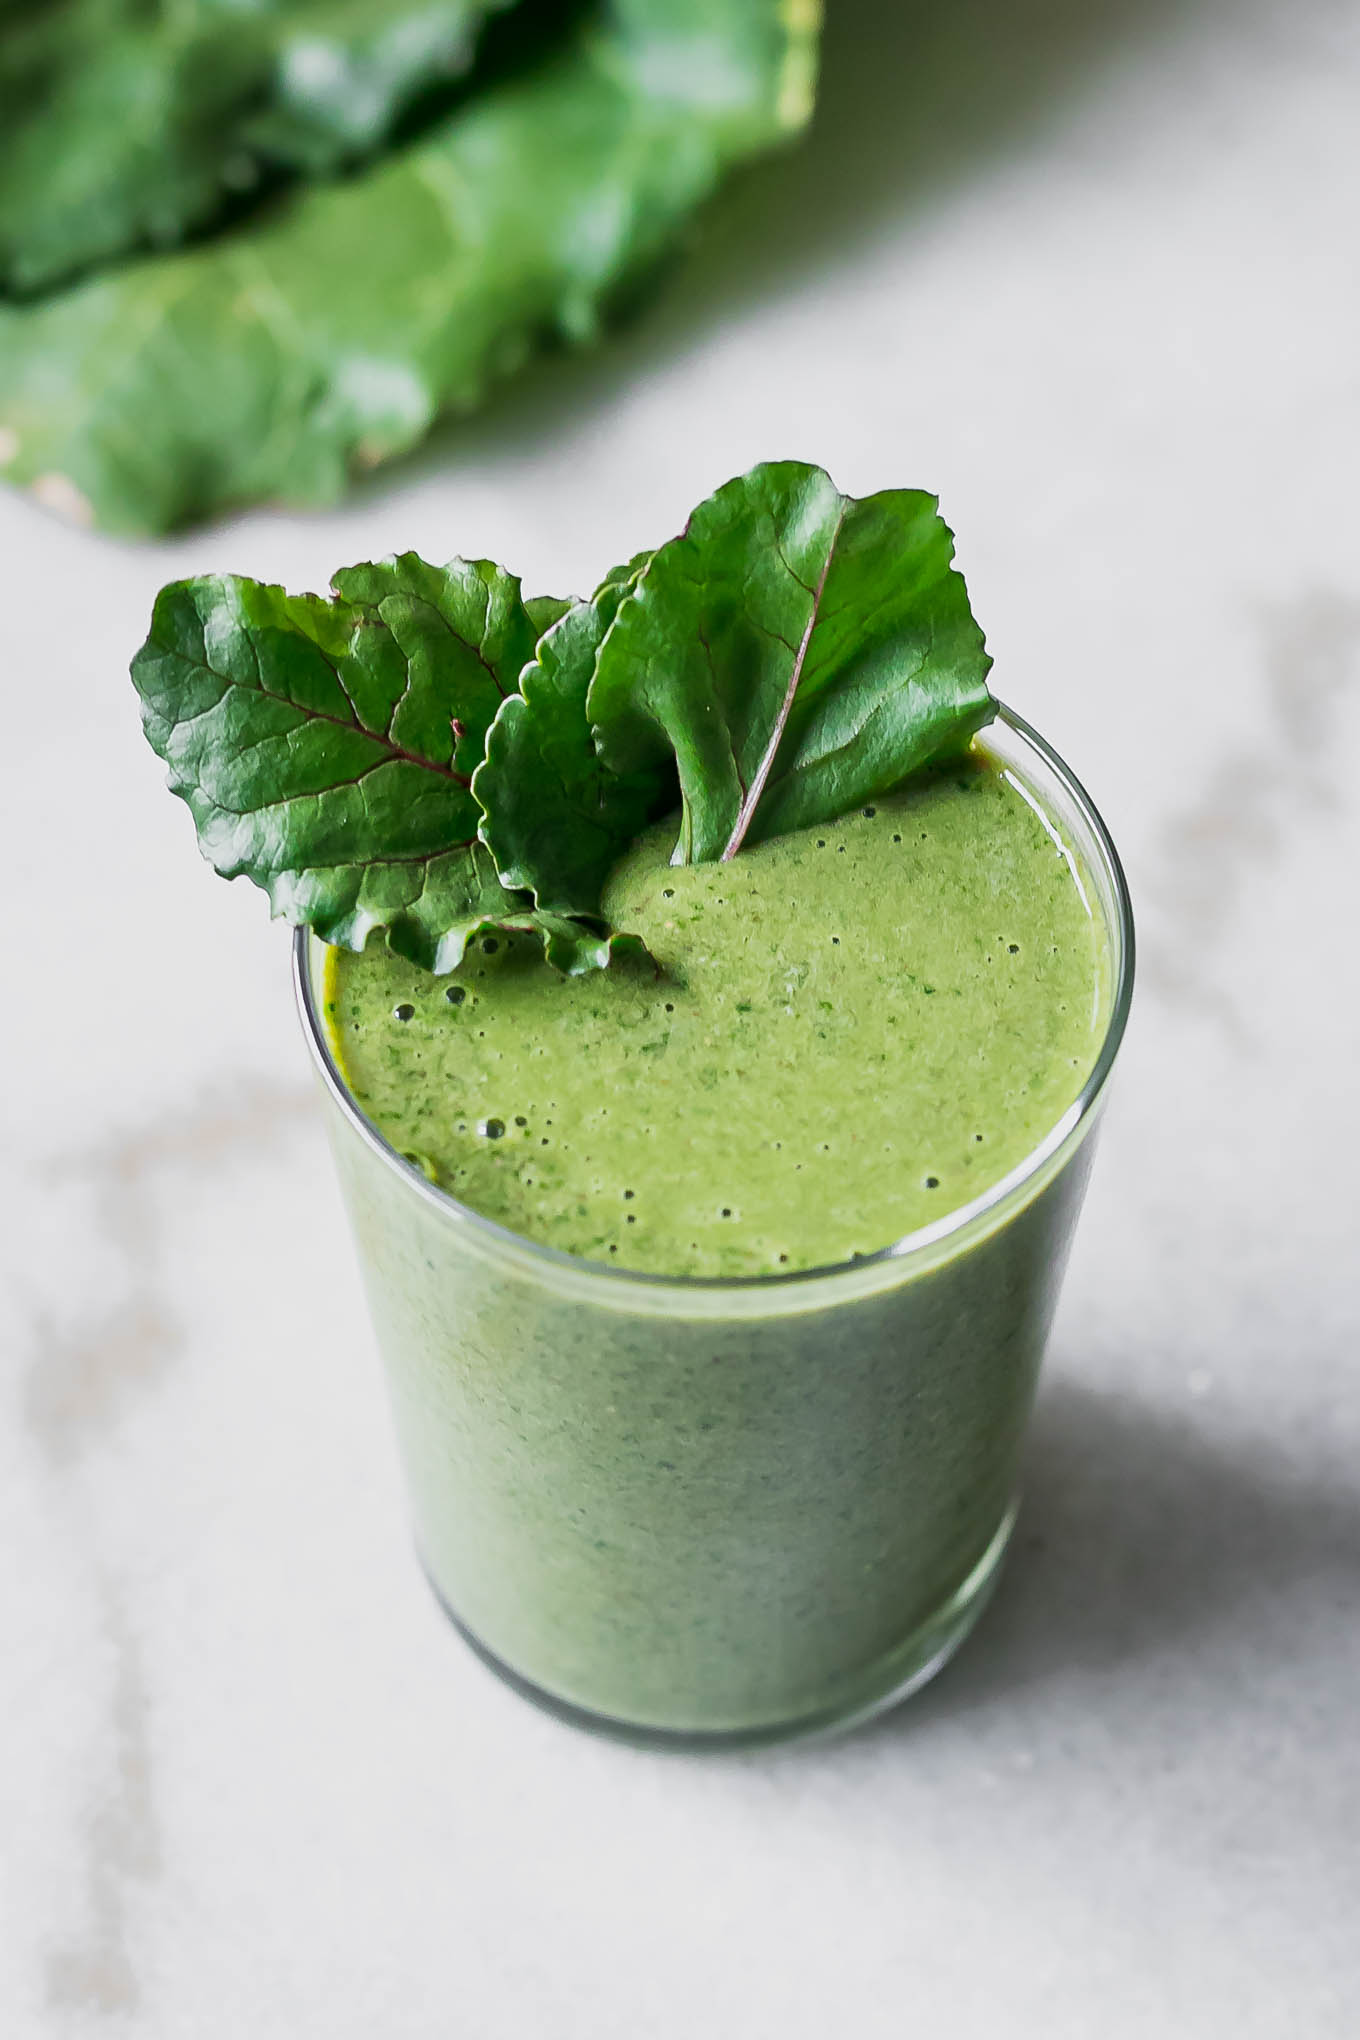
[124, 125]
[312, 327]
[426, 753]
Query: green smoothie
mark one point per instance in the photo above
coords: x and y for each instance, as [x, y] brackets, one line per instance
[710, 1507]
[850, 1032]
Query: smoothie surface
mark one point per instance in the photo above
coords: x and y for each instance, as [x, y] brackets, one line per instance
[855, 1030]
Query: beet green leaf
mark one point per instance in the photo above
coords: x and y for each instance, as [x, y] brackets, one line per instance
[794, 652]
[325, 747]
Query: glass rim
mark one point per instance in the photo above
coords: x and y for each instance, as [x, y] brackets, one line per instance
[915, 1250]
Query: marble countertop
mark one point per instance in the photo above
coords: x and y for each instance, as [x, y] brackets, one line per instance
[1089, 271]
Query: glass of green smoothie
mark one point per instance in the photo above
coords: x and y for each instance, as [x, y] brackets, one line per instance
[713, 989]
[712, 1288]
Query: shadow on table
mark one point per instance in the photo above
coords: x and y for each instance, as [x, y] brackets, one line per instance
[1140, 1539]
[915, 97]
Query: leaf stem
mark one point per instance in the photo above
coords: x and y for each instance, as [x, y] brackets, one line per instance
[746, 812]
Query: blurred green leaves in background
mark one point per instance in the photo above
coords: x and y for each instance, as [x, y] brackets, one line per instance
[246, 251]
[124, 126]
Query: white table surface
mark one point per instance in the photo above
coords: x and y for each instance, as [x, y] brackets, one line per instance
[1090, 271]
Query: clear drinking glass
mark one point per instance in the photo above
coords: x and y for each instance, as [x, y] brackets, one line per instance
[723, 1509]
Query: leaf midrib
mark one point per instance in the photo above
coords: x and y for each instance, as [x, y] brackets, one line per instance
[355, 726]
[755, 793]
